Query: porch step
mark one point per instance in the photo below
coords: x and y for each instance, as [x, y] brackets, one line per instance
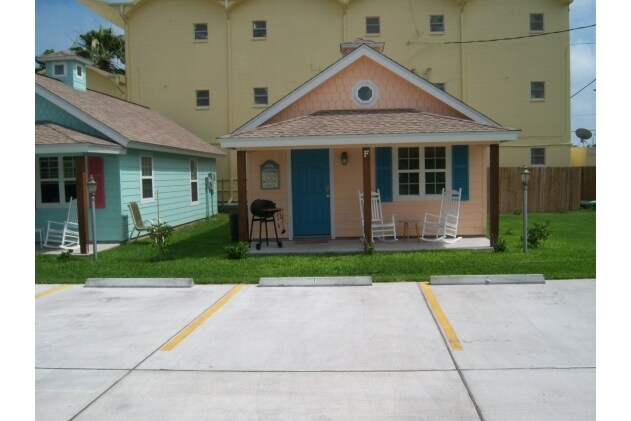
[486, 279]
[309, 281]
[138, 283]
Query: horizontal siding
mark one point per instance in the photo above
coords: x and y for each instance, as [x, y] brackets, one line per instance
[172, 197]
[46, 111]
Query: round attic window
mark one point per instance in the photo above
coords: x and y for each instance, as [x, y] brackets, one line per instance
[365, 92]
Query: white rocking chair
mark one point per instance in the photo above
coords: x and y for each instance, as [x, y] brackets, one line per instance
[380, 229]
[444, 227]
[64, 235]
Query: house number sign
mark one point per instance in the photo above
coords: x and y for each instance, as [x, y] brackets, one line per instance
[269, 175]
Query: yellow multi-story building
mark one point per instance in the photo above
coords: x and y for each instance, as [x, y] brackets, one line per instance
[212, 65]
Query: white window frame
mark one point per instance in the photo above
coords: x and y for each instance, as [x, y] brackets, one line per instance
[143, 177]
[256, 28]
[193, 170]
[256, 104]
[199, 31]
[365, 84]
[372, 25]
[422, 171]
[543, 90]
[63, 65]
[61, 180]
[79, 72]
[197, 98]
[442, 24]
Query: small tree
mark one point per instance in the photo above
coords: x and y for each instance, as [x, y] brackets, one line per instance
[159, 234]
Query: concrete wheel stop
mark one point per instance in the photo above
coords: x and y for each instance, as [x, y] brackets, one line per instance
[311, 281]
[138, 283]
[486, 279]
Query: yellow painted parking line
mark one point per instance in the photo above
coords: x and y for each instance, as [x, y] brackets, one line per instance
[52, 290]
[201, 319]
[448, 330]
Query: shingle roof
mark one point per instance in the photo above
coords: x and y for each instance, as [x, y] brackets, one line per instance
[47, 133]
[367, 122]
[132, 121]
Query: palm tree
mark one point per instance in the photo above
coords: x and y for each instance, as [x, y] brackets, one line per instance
[105, 49]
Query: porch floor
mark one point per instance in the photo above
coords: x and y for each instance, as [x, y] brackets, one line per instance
[356, 245]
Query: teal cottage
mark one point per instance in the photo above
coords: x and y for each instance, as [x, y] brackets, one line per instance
[132, 152]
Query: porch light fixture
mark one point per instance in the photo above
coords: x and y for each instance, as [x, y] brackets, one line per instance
[344, 158]
[525, 178]
[92, 191]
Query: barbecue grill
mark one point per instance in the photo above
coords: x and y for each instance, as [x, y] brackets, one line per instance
[264, 211]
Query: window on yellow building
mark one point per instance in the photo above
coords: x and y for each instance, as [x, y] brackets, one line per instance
[200, 31]
[440, 85]
[537, 90]
[373, 25]
[537, 156]
[259, 29]
[536, 22]
[202, 98]
[260, 96]
[437, 24]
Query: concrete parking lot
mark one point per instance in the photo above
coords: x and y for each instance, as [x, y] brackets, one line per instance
[389, 351]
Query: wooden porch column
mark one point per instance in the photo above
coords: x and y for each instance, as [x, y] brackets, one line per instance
[242, 196]
[367, 185]
[81, 179]
[494, 193]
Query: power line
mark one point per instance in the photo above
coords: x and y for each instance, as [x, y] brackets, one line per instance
[580, 90]
[503, 39]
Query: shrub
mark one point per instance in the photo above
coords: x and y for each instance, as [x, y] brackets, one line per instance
[499, 245]
[537, 234]
[159, 234]
[237, 251]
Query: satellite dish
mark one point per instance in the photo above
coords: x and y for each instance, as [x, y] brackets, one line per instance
[583, 134]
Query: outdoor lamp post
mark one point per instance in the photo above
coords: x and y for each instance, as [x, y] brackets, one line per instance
[92, 191]
[525, 178]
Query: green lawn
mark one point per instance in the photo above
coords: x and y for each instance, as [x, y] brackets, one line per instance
[197, 251]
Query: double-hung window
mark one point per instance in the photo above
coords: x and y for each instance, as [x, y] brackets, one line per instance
[260, 96]
[536, 22]
[259, 29]
[373, 25]
[202, 98]
[57, 179]
[194, 191]
[537, 156]
[421, 172]
[146, 177]
[200, 31]
[437, 24]
[537, 90]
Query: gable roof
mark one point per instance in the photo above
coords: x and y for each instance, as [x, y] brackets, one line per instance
[366, 51]
[125, 123]
[366, 126]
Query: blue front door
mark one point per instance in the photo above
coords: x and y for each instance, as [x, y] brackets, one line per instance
[310, 192]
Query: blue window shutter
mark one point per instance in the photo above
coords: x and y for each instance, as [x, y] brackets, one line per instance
[460, 169]
[383, 171]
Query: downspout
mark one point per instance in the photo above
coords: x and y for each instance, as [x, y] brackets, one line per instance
[121, 12]
[230, 93]
[462, 66]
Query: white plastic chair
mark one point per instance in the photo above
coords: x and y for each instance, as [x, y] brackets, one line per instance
[65, 234]
[444, 226]
[380, 229]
